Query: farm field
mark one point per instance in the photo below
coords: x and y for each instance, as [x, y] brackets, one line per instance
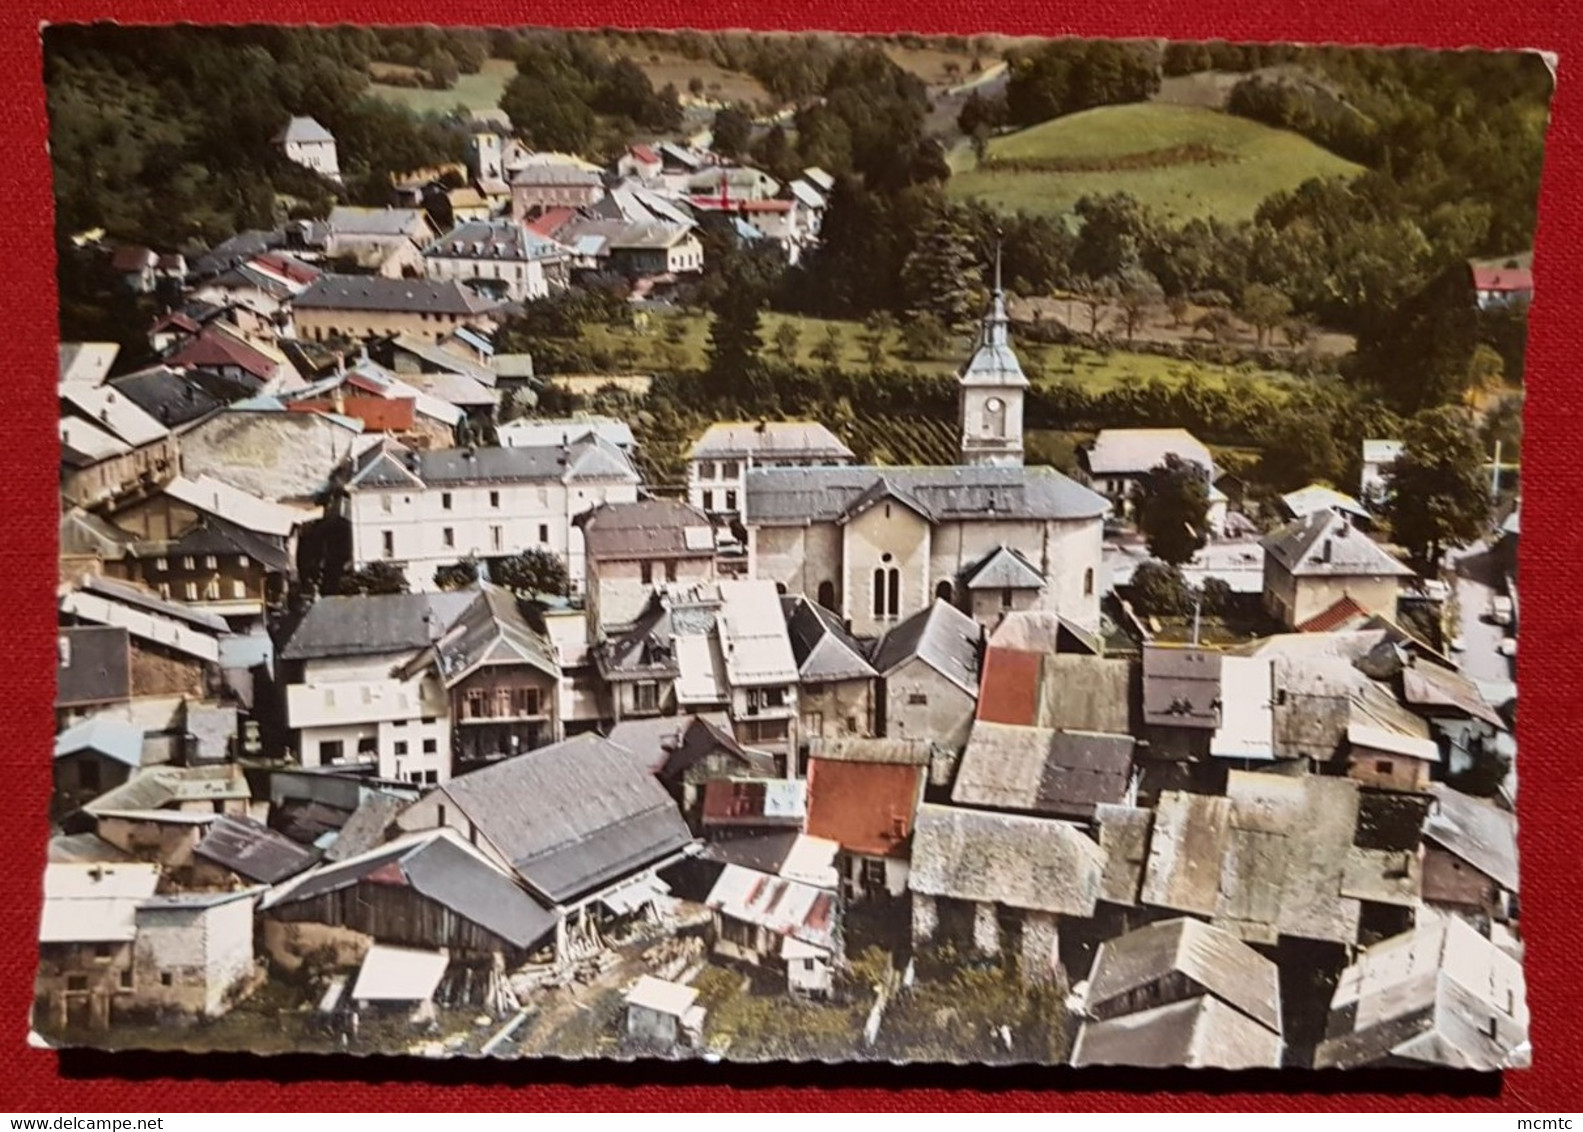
[1183, 162]
[647, 347]
[480, 93]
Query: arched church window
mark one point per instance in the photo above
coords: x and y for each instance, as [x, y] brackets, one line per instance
[943, 591]
[995, 417]
[827, 595]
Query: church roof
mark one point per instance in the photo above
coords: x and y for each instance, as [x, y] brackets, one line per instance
[797, 496]
[1004, 569]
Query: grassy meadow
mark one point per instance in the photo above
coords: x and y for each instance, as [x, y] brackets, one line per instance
[1183, 162]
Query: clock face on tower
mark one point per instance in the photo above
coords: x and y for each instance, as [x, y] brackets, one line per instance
[994, 404]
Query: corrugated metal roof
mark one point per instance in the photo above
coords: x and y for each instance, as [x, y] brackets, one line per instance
[1475, 830]
[1038, 770]
[661, 996]
[753, 640]
[782, 906]
[253, 850]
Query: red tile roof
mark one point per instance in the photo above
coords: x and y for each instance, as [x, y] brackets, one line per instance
[177, 319]
[644, 154]
[378, 414]
[1503, 279]
[550, 221]
[288, 268]
[1336, 617]
[132, 258]
[215, 347]
[866, 807]
[1008, 690]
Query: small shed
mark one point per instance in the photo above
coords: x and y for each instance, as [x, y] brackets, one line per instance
[399, 977]
[663, 1013]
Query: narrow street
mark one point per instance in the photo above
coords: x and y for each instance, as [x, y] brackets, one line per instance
[1476, 580]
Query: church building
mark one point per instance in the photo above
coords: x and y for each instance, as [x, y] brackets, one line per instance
[876, 544]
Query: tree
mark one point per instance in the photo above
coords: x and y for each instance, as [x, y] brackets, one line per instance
[828, 349]
[735, 342]
[1172, 508]
[1486, 372]
[375, 578]
[877, 329]
[943, 274]
[1215, 597]
[533, 571]
[923, 336]
[1264, 308]
[1216, 325]
[1137, 292]
[1436, 495]
[458, 575]
[1179, 307]
[733, 130]
[1159, 590]
[695, 86]
[547, 114]
[787, 339]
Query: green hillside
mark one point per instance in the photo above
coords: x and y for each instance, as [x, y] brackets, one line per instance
[1180, 161]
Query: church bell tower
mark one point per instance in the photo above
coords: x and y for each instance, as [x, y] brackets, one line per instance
[992, 390]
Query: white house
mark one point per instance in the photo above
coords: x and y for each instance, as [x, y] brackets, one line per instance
[760, 669]
[1122, 458]
[308, 143]
[426, 509]
[502, 254]
[344, 698]
[719, 460]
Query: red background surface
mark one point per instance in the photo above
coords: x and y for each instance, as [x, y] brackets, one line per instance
[1552, 692]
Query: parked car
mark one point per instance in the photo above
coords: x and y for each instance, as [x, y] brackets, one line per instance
[1501, 609]
[1508, 646]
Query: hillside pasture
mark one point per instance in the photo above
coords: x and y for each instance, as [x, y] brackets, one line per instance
[1182, 162]
[480, 93]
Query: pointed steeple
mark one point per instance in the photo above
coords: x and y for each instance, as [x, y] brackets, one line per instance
[993, 362]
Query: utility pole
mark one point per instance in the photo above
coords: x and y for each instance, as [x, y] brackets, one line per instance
[1198, 606]
[1495, 474]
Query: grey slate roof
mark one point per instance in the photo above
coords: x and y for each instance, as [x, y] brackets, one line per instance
[769, 440]
[1003, 568]
[943, 637]
[375, 293]
[100, 666]
[1199, 1033]
[572, 817]
[392, 465]
[349, 220]
[253, 850]
[504, 240]
[1217, 961]
[799, 496]
[1032, 863]
[824, 650]
[214, 535]
[368, 826]
[1036, 770]
[1181, 686]
[648, 528]
[128, 593]
[373, 624]
[993, 362]
[1325, 544]
[167, 395]
[302, 129]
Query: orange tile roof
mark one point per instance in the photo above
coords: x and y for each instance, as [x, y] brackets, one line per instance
[865, 807]
[1334, 618]
[378, 414]
[1008, 690]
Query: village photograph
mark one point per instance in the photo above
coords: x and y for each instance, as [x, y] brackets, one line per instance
[671, 544]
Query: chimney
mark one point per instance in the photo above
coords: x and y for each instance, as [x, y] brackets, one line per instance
[1324, 554]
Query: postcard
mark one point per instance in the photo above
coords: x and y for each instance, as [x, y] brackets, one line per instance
[611, 544]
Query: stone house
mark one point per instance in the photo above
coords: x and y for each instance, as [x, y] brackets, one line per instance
[1311, 564]
[862, 794]
[86, 974]
[193, 952]
[1001, 881]
[633, 547]
[929, 670]
[837, 684]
